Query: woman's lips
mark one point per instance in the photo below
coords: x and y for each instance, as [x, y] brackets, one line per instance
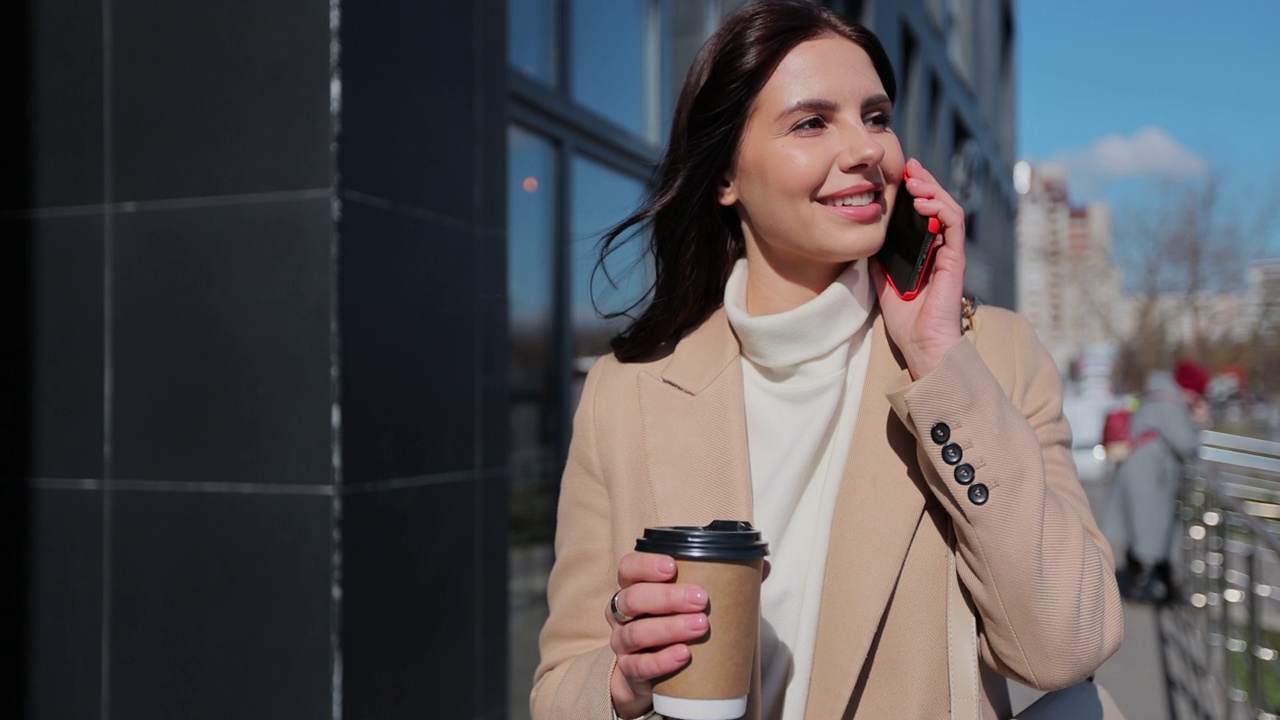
[872, 211]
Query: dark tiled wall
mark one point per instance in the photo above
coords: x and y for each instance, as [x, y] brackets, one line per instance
[422, 288]
[224, 496]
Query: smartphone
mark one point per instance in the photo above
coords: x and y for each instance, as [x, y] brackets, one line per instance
[908, 245]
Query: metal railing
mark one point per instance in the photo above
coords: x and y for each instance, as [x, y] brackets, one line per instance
[1230, 543]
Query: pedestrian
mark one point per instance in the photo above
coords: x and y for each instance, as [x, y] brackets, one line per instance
[1165, 432]
[776, 377]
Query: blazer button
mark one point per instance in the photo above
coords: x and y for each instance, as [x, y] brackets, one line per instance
[964, 474]
[940, 433]
[951, 454]
[978, 493]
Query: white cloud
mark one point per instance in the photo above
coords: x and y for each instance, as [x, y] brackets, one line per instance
[1150, 153]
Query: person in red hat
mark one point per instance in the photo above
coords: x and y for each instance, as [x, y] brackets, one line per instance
[1165, 433]
[1193, 378]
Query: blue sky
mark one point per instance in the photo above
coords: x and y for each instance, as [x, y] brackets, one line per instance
[1134, 92]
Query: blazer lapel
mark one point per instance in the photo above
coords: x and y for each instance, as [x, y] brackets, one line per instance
[695, 440]
[695, 430]
[881, 498]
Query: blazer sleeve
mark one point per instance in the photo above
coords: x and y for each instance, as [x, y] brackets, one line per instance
[1037, 569]
[572, 678]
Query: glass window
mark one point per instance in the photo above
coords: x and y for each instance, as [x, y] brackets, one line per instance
[532, 44]
[616, 61]
[531, 173]
[602, 198]
[534, 444]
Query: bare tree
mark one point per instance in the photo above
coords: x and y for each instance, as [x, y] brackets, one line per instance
[1182, 249]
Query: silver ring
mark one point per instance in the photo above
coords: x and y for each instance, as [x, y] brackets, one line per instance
[613, 609]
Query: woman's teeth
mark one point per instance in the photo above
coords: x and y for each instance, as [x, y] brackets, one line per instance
[851, 200]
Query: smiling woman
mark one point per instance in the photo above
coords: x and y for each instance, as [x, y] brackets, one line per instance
[816, 172]
[889, 454]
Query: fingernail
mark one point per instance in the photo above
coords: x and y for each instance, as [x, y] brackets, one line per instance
[696, 597]
[680, 653]
[696, 622]
[666, 565]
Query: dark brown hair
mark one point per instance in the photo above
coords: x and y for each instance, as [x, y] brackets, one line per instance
[694, 241]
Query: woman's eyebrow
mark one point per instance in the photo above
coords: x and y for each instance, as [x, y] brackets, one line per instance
[810, 105]
[823, 105]
[875, 100]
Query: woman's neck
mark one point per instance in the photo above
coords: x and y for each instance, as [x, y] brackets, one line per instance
[777, 284]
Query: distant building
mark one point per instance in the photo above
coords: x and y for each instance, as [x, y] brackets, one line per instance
[1068, 286]
[1248, 315]
[1217, 317]
[1260, 316]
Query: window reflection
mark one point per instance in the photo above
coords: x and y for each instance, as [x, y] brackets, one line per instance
[531, 38]
[601, 199]
[617, 61]
[534, 441]
[531, 178]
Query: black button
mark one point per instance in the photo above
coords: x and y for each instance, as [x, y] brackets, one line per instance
[951, 454]
[941, 433]
[964, 474]
[978, 493]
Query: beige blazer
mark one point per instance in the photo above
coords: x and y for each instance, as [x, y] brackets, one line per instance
[664, 443]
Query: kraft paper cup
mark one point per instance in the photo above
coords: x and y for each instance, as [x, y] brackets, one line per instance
[726, 559]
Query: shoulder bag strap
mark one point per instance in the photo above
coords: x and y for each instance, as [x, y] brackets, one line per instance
[962, 645]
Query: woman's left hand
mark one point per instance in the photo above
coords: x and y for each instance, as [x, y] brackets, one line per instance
[925, 328]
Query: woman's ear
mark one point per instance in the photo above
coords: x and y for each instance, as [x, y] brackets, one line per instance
[728, 191]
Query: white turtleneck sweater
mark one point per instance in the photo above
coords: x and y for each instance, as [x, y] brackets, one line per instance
[803, 372]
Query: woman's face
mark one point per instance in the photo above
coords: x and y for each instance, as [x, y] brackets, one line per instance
[818, 166]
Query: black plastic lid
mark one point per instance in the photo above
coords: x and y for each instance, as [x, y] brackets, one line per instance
[721, 540]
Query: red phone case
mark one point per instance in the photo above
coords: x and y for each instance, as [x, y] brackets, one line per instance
[926, 253]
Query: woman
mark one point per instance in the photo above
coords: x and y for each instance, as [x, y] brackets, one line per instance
[775, 377]
[1165, 435]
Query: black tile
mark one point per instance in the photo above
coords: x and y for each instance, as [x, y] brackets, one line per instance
[220, 605]
[491, 90]
[495, 397]
[17, 58]
[495, 347]
[66, 143]
[491, 645]
[221, 343]
[409, 121]
[408, 345]
[66, 346]
[219, 97]
[64, 604]
[409, 603]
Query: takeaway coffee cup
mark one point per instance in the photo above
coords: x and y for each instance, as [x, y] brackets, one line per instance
[726, 559]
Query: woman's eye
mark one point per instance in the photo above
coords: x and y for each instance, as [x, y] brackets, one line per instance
[812, 123]
[879, 120]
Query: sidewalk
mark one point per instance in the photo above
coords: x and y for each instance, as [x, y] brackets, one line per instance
[1134, 675]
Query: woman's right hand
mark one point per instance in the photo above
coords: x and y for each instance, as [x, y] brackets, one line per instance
[663, 617]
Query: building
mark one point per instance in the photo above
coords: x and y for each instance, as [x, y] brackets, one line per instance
[312, 294]
[1068, 286]
[1261, 319]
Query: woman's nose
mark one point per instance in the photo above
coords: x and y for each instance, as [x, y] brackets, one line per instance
[860, 148]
